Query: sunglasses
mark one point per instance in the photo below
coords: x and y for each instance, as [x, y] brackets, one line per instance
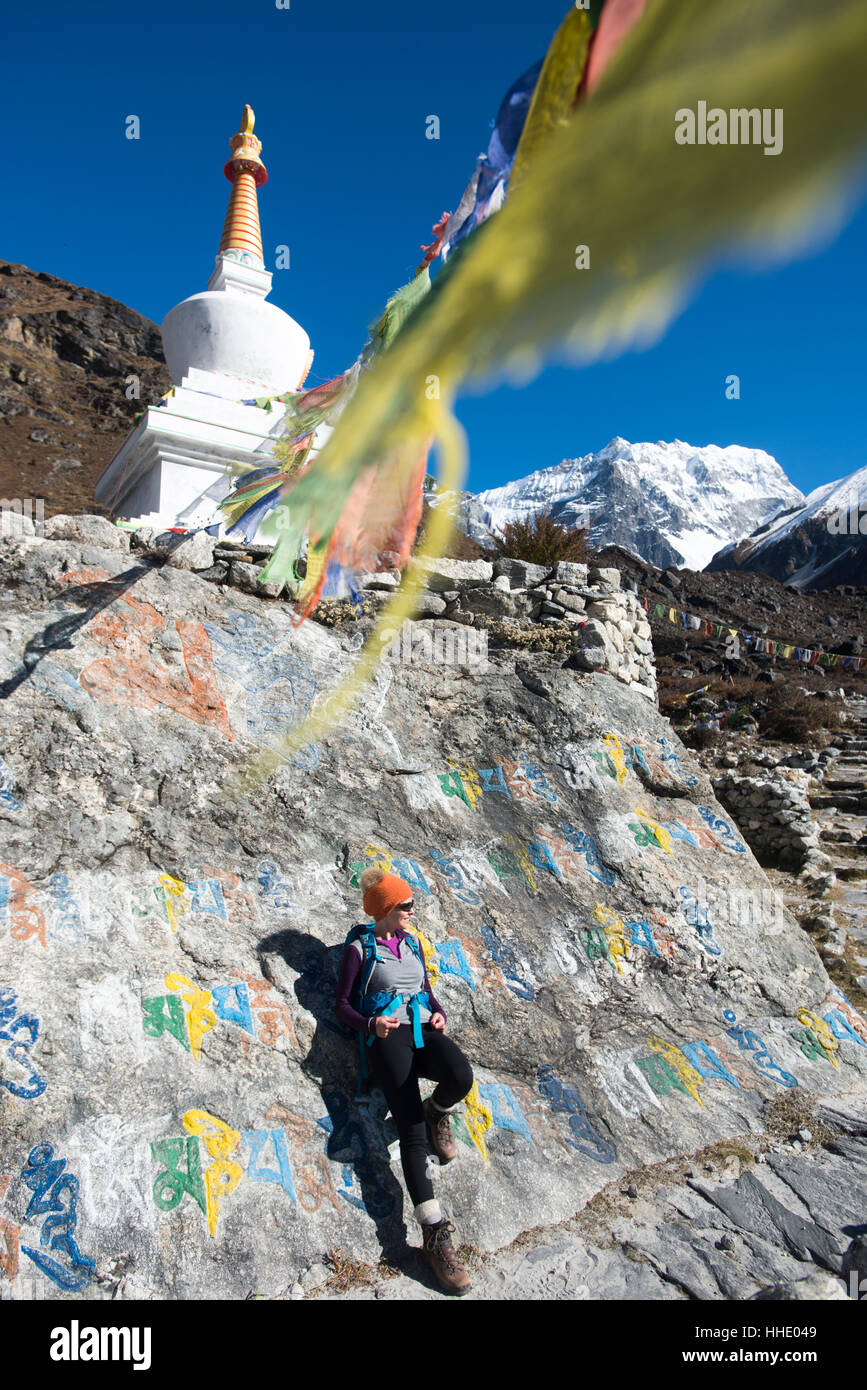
[406, 907]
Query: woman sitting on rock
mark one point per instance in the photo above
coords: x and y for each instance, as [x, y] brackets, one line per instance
[384, 994]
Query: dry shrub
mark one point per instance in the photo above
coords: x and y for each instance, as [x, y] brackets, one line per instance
[795, 718]
[542, 541]
[347, 1272]
[785, 1114]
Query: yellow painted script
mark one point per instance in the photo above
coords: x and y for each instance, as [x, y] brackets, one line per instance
[223, 1175]
[689, 1077]
[618, 946]
[662, 837]
[200, 1016]
[479, 1118]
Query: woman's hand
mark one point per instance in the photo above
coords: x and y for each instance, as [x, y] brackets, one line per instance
[383, 1026]
[438, 1022]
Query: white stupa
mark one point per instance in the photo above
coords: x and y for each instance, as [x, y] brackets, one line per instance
[225, 349]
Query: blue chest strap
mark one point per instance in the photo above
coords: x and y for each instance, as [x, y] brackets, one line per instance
[383, 1003]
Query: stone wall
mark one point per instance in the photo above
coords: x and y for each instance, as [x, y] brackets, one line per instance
[774, 817]
[610, 629]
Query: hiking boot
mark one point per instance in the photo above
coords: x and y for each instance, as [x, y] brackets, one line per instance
[439, 1124]
[443, 1258]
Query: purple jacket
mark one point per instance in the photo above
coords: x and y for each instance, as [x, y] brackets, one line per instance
[350, 969]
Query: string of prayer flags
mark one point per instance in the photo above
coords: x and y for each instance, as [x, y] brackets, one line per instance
[764, 646]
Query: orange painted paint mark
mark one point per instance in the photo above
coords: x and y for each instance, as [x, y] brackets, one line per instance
[9, 1259]
[273, 1015]
[664, 939]
[27, 918]
[5, 1180]
[242, 906]
[489, 976]
[721, 1044]
[302, 1133]
[131, 676]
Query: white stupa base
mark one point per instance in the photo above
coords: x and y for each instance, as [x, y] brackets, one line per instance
[176, 465]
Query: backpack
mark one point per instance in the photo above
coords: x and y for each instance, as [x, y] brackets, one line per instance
[379, 1003]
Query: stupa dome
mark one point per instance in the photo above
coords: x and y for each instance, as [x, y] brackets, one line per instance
[236, 335]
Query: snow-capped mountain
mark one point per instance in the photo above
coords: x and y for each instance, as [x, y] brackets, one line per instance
[814, 546]
[672, 504]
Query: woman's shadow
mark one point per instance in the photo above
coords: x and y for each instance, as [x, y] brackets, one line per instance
[358, 1133]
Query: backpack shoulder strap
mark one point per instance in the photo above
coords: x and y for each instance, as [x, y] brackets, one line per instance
[416, 946]
[363, 934]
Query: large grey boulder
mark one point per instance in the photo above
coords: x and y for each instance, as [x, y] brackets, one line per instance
[429, 605]
[572, 602]
[194, 552]
[387, 580]
[456, 574]
[179, 871]
[569, 572]
[521, 574]
[89, 530]
[246, 576]
[605, 576]
[497, 603]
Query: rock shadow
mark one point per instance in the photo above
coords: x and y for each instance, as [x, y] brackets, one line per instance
[359, 1135]
[58, 636]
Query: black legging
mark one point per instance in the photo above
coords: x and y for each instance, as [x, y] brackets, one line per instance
[398, 1065]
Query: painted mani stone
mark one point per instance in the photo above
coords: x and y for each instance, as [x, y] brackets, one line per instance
[55, 1196]
[748, 1041]
[18, 1033]
[130, 675]
[566, 1100]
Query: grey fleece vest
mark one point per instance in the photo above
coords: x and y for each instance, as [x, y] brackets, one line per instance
[406, 976]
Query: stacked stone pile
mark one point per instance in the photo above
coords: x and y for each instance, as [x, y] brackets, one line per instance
[773, 813]
[612, 633]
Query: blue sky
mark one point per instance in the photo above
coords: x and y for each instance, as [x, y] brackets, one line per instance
[341, 93]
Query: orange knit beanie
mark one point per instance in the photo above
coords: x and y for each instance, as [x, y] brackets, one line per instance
[382, 892]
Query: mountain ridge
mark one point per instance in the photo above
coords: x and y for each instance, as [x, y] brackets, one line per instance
[818, 545]
[68, 358]
[646, 497]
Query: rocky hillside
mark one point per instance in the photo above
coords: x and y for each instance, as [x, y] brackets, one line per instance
[829, 620]
[640, 1011]
[66, 358]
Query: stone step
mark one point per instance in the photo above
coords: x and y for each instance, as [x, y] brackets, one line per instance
[850, 871]
[847, 849]
[843, 801]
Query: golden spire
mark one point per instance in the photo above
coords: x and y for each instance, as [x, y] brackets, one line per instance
[246, 172]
